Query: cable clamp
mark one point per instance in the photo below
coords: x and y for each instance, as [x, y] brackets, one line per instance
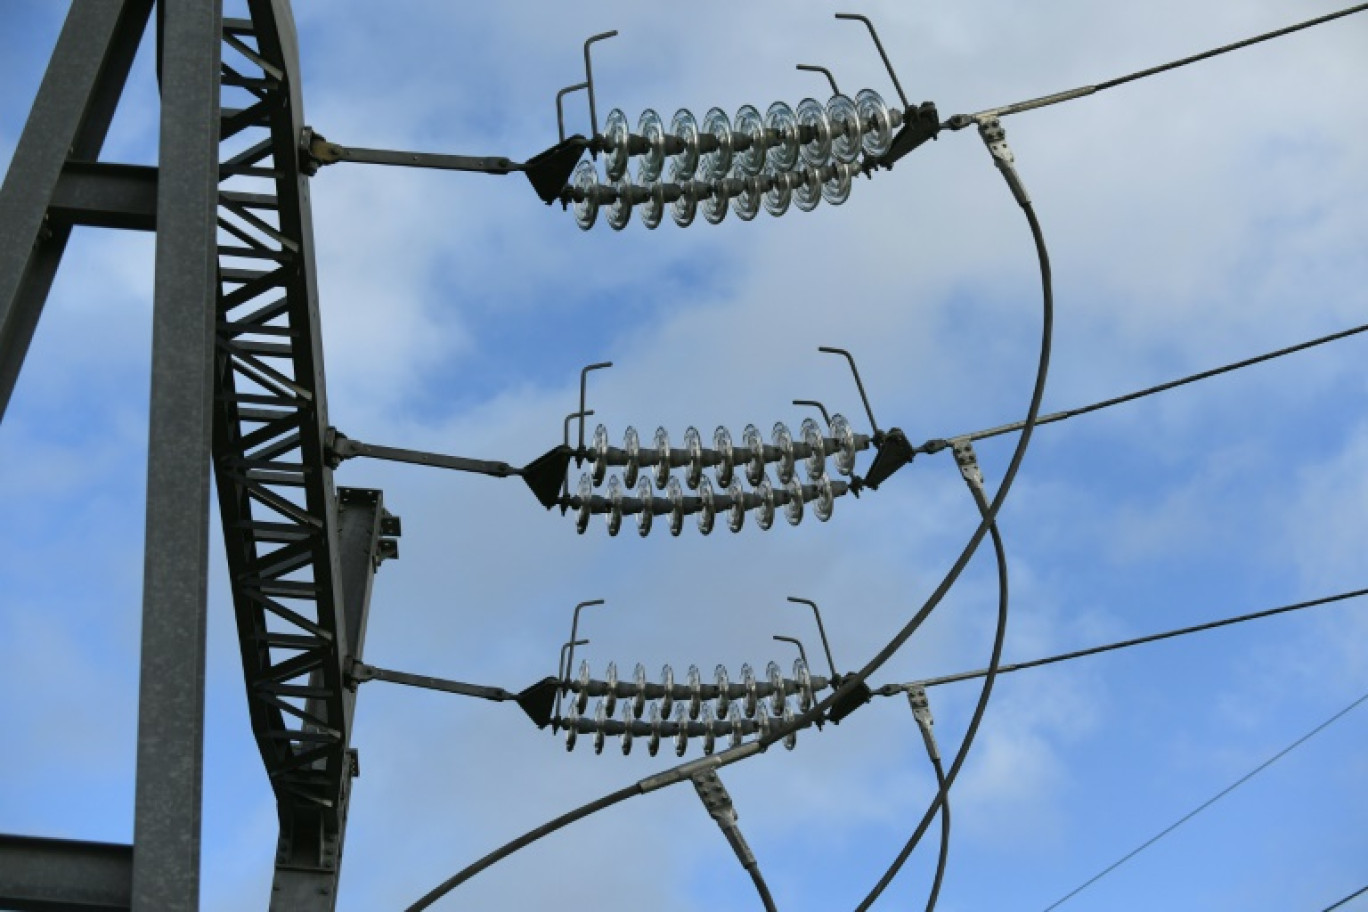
[967, 460]
[995, 138]
[921, 711]
[719, 806]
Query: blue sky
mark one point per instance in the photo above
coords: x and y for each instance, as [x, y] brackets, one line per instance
[1195, 218]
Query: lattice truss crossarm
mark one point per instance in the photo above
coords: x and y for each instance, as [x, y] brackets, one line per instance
[279, 509]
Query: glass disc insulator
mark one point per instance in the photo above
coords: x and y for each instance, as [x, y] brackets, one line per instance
[815, 461]
[747, 203]
[627, 733]
[639, 691]
[749, 124]
[716, 203]
[585, 494]
[791, 739]
[825, 501]
[684, 163]
[836, 189]
[662, 466]
[631, 448]
[582, 698]
[723, 683]
[782, 126]
[803, 679]
[610, 681]
[695, 692]
[616, 137]
[776, 682]
[812, 122]
[717, 163]
[667, 685]
[598, 453]
[614, 505]
[585, 182]
[737, 732]
[600, 720]
[647, 514]
[571, 728]
[751, 699]
[845, 444]
[736, 513]
[653, 207]
[693, 445]
[620, 210]
[807, 192]
[651, 163]
[793, 510]
[877, 138]
[763, 725]
[653, 745]
[681, 732]
[783, 442]
[764, 512]
[685, 206]
[726, 463]
[755, 464]
[675, 495]
[709, 729]
[845, 128]
[707, 512]
[779, 194]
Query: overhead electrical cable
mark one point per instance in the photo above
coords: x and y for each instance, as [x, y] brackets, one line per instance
[1336, 905]
[849, 684]
[892, 689]
[960, 121]
[946, 779]
[1206, 804]
[1162, 387]
[944, 839]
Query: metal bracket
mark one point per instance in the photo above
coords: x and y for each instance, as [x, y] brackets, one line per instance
[589, 83]
[548, 171]
[817, 405]
[824, 71]
[967, 460]
[543, 475]
[584, 381]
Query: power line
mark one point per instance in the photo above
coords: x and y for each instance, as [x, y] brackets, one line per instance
[889, 690]
[1208, 803]
[932, 446]
[1336, 905]
[959, 121]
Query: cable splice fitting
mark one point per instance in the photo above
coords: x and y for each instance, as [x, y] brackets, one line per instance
[697, 767]
[921, 711]
[995, 138]
[719, 805]
[967, 460]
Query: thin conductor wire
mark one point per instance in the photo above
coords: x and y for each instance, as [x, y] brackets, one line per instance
[960, 121]
[890, 690]
[1162, 387]
[1336, 905]
[1206, 804]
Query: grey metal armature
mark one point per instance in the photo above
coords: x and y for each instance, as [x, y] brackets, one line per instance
[237, 374]
[38, 873]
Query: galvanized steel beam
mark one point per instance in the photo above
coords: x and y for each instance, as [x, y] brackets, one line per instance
[69, 119]
[46, 874]
[166, 811]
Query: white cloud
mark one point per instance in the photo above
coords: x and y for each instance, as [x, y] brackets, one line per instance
[1207, 214]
